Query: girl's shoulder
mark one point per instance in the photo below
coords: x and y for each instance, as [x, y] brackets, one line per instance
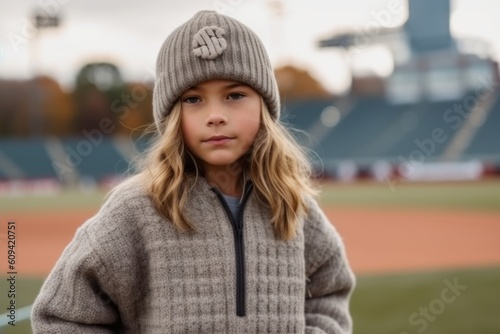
[127, 192]
[123, 208]
[321, 239]
[114, 233]
[318, 229]
[316, 220]
[315, 217]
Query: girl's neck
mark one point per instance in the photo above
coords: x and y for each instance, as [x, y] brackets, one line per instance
[226, 180]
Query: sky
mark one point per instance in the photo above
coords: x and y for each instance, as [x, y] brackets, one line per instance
[130, 34]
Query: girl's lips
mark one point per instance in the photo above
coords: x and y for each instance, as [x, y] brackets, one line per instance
[218, 141]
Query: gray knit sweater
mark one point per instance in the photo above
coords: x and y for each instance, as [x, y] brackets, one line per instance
[127, 270]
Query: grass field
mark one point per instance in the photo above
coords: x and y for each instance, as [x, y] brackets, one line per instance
[413, 303]
[381, 303]
[472, 196]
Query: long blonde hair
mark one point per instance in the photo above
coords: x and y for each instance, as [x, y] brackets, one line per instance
[278, 166]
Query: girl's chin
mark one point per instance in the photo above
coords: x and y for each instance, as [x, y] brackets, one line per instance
[221, 161]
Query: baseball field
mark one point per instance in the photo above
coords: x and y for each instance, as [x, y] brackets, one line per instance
[427, 256]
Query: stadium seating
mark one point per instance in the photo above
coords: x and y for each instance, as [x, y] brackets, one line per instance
[28, 157]
[486, 143]
[371, 130]
[103, 161]
[414, 127]
[352, 137]
[374, 129]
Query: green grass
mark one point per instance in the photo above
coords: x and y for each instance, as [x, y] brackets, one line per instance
[384, 304]
[63, 201]
[26, 291]
[387, 304]
[482, 196]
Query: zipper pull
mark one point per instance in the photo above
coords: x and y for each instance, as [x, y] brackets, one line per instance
[239, 227]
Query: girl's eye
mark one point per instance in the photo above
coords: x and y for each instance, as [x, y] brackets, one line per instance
[236, 96]
[191, 99]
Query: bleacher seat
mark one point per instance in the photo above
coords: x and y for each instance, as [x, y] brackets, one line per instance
[30, 156]
[486, 142]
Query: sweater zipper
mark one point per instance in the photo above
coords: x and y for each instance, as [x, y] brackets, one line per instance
[239, 247]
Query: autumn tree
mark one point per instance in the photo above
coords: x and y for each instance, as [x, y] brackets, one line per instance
[295, 83]
[98, 87]
[135, 108]
[56, 107]
[16, 108]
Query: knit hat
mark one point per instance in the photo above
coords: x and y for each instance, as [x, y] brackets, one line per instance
[211, 46]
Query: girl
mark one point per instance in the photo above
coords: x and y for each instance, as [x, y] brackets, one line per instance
[219, 232]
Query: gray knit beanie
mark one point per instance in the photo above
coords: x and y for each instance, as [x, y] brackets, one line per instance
[211, 46]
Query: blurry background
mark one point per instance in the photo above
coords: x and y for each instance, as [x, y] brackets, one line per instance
[396, 100]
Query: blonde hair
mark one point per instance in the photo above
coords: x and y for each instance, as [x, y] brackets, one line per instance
[278, 165]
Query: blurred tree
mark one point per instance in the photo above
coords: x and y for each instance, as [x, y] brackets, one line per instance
[105, 77]
[135, 108]
[98, 87]
[100, 100]
[296, 83]
[14, 108]
[58, 109]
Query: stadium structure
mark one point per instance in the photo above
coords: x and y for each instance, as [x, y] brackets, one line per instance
[436, 117]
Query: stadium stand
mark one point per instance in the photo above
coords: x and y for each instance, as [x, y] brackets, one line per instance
[374, 129]
[25, 158]
[302, 114]
[371, 130]
[352, 135]
[486, 143]
[95, 161]
[416, 125]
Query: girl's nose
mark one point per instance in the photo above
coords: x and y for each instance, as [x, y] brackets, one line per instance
[216, 117]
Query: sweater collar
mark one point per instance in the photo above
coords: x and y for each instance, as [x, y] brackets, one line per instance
[202, 183]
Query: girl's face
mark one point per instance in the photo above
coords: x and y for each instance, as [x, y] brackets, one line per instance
[220, 120]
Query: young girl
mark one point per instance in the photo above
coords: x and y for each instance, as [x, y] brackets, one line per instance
[219, 232]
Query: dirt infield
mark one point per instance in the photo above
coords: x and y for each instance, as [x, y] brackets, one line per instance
[377, 240]
[409, 240]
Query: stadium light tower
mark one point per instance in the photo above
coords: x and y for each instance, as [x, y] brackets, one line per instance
[40, 21]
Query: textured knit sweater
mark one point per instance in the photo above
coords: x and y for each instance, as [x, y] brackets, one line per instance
[128, 270]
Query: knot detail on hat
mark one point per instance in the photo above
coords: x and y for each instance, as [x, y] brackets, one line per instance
[209, 43]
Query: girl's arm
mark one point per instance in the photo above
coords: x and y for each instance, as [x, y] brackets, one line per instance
[75, 297]
[330, 280]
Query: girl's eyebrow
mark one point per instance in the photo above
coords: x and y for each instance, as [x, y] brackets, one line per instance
[228, 86]
[234, 85]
